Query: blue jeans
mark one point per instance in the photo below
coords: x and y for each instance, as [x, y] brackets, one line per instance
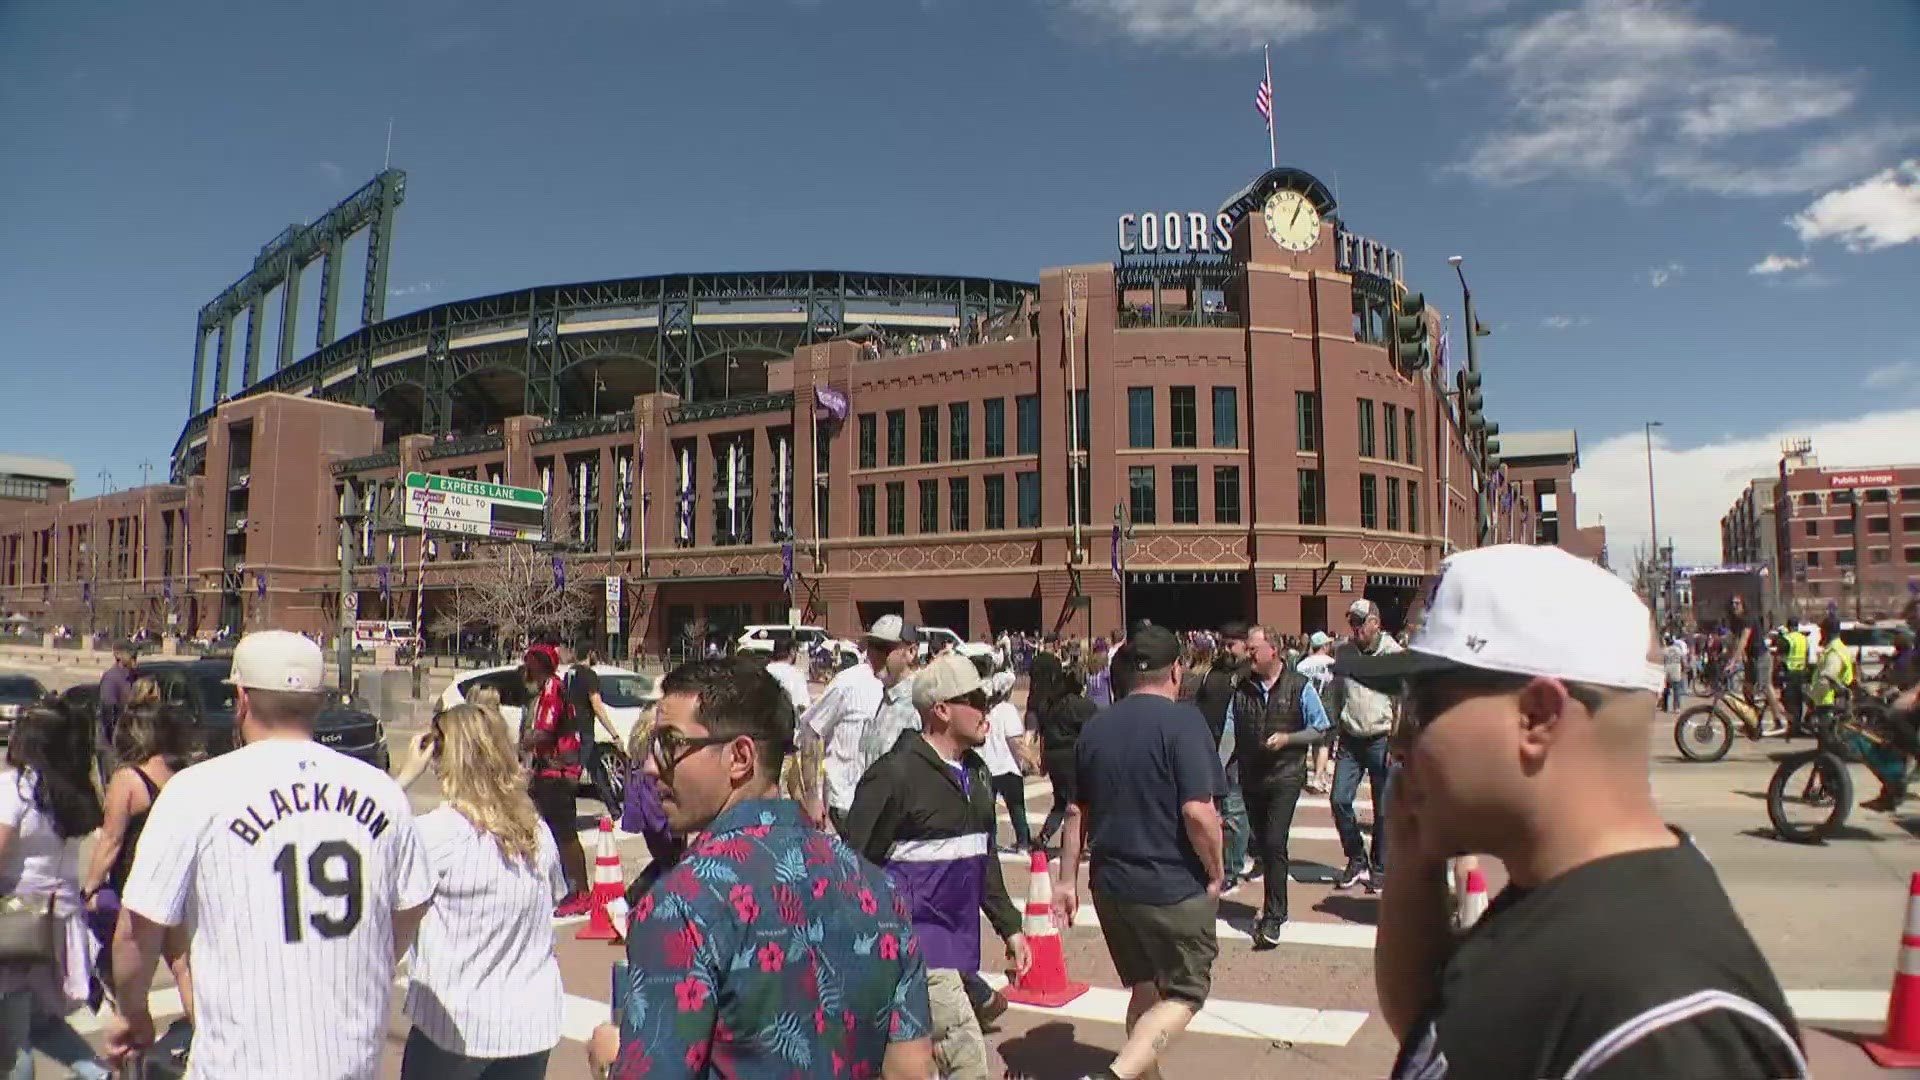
[1234, 824]
[423, 1059]
[24, 1029]
[1351, 759]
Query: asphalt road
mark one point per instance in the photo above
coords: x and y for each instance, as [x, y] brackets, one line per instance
[1828, 918]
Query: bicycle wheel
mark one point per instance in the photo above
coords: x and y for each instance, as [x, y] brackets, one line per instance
[1702, 734]
[1809, 797]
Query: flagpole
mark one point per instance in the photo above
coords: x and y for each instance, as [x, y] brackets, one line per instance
[1273, 155]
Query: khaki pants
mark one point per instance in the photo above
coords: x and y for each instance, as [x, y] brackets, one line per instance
[959, 1047]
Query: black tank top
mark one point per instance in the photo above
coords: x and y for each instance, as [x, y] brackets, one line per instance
[123, 863]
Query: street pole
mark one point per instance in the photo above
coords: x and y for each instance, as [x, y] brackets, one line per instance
[1659, 584]
[349, 536]
[1121, 528]
[1476, 453]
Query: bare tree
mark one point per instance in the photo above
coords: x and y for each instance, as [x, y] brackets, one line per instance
[510, 589]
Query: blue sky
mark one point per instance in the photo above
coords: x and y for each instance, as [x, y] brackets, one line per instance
[1706, 213]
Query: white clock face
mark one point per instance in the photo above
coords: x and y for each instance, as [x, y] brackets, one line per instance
[1292, 221]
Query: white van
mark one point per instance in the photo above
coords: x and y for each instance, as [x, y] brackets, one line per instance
[1872, 645]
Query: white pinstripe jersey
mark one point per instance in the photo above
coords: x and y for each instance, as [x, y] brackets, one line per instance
[286, 860]
[483, 978]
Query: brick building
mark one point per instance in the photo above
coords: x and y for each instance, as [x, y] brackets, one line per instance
[1191, 435]
[1846, 538]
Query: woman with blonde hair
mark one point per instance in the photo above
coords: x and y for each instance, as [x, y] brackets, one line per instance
[485, 992]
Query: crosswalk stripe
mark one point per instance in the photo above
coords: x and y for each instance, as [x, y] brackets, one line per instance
[1334, 935]
[1236, 1019]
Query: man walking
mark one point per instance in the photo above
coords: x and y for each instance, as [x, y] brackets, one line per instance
[1276, 718]
[772, 949]
[1149, 778]
[300, 877]
[1614, 954]
[1365, 718]
[116, 687]
[1213, 697]
[832, 727]
[925, 812]
[553, 738]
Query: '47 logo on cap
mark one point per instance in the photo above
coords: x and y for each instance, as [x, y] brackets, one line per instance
[1476, 643]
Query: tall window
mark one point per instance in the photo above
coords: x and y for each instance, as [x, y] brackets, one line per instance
[1226, 494]
[1085, 426]
[1369, 504]
[1140, 500]
[1086, 492]
[1413, 440]
[994, 416]
[959, 508]
[993, 491]
[1186, 494]
[929, 433]
[1390, 428]
[960, 431]
[897, 508]
[1413, 506]
[1393, 504]
[929, 506]
[1184, 408]
[1365, 411]
[1027, 491]
[1312, 506]
[869, 440]
[1140, 417]
[1026, 424]
[869, 523]
[896, 436]
[1226, 417]
[1306, 420]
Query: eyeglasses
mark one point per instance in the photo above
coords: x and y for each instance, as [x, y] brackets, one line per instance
[668, 747]
[977, 700]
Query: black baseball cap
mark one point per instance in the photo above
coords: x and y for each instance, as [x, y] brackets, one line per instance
[1149, 649]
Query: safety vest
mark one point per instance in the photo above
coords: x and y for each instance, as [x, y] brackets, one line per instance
[1827, 692]
[1796, 651]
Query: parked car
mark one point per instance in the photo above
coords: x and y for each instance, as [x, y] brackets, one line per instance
[200, 686]
[760, 639]
[626, 694]
[16, 693]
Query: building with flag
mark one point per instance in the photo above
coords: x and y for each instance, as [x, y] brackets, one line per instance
[1240, 416]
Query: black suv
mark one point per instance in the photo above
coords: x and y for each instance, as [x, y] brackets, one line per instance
[201, 686]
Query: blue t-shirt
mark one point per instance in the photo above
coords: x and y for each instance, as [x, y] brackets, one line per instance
[1136, 763]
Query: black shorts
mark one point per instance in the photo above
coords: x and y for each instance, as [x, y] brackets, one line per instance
[1172, 946]
[553, 796]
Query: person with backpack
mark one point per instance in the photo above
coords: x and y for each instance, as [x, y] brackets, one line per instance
[553, 739]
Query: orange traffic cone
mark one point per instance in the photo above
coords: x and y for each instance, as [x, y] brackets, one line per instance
[1045, 984]
[1899, 1048]
[1474, 903]
[609, 891]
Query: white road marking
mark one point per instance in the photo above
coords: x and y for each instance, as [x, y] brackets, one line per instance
[1839, 1006]
[1236, 1019]
[1334, 935]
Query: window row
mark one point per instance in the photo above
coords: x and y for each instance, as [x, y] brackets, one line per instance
[1143, 501]
[1909, 523]
[959, 431]
[1386, 440]
[1879, 556]
[958, 504]
[1183, 413]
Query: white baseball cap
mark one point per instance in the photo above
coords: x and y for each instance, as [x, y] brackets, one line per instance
[1364, 609]
[949, 677]
[1521, 609]
[278, 660]
[893, 630]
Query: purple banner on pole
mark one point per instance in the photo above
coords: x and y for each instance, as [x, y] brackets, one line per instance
[386, 585]
[828, 403]
[559, 574]
[260, 584]
[1116, 553]
[786, 566]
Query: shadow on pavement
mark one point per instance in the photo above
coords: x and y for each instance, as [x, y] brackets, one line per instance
[1845, 832]
[1050, 1052]
[1353, 909]
[1307, 872]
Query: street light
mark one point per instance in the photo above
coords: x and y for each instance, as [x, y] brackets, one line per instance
[1483, 508]
[1653, 526]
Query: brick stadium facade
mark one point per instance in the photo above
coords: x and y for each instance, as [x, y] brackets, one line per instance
[1241, 413]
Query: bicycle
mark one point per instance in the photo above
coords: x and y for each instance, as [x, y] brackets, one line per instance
[1705, 732]
[1846, 732]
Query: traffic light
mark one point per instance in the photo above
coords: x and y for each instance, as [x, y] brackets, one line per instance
[1472, 402]
[1410, 351]
[1492, 433]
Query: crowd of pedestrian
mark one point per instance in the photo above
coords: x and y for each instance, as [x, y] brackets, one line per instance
[822, 863]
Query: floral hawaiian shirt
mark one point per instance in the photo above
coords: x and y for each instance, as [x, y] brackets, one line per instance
[771, 951]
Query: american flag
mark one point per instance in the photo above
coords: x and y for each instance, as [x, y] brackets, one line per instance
[1263, 100]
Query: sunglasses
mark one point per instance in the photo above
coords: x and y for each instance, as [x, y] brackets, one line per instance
[977, 700]
[1429, 699]
[668, 747]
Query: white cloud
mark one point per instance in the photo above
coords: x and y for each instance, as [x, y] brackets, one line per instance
[1462, 10]
[1880, 211]
[1900, 373]
[1779, 264]
[1563, 322]
[1647, 94]
[417, 289]
[1208, 23]
[330, 170]
[1697, 485]
[1660, 275]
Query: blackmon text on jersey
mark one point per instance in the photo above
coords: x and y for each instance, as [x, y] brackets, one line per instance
[303, 798]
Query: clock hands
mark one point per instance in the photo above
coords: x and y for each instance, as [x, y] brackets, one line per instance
[1297, 207]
